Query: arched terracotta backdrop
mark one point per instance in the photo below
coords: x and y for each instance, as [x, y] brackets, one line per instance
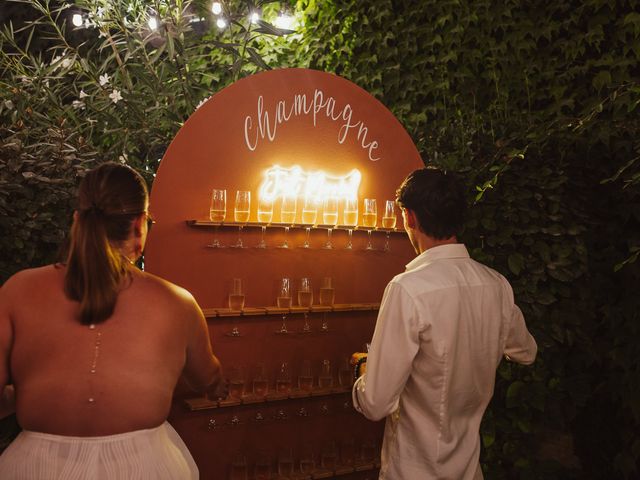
[222, 146]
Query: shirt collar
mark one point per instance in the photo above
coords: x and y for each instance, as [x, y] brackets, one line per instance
[452, 250]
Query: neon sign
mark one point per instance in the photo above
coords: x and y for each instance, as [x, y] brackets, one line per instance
[295, 182]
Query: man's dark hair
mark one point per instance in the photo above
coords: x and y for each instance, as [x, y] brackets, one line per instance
[438, 200]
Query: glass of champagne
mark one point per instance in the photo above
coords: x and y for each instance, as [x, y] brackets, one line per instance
[305, 379]
[309, 216]
[329, 217]
[236, 383]
[236, 303]
[326, 292]
[370, 218]
[260, 383]
[283, 379]
[389, 221]
[241, 213]
[265, 216]
[284, 301]
[305, 299]
[217, 213]
[325, 379]
[350, 217]
[287, 216]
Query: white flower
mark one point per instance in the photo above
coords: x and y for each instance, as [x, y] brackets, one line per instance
[100, 12]
[46, 83]
[115, 96]
[82, 94]
[78, 104]
[8, 104]
[104, 79]
[55, 60]
[123, 158]
[67, 62]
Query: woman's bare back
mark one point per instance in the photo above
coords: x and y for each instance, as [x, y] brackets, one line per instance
[114, 377]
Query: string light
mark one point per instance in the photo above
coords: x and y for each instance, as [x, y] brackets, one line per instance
[221, 22]
[216, 8]
[77, 20]
[284, 21]
[153, 23]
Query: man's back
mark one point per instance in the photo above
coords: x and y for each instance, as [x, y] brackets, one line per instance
[443, 327]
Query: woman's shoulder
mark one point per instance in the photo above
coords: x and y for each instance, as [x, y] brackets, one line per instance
[152, 285]
[33, 276]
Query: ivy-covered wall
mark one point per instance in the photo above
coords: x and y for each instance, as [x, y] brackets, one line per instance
[536, 103]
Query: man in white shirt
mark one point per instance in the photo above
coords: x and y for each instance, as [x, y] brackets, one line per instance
[443, 327]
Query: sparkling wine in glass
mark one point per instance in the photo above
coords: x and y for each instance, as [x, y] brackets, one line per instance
[370, 218]
[329, 217]
[309, 217]
[389, 221]
[217, 213]
[236, 382]
[283, 379]
[350, 218]
[260, 381]
[265, 216]
[305, 378]
[236, 302]
[325, 379]
[327, 292]
[284, 301]
[288, 215]
[241, 213]
[305, 299]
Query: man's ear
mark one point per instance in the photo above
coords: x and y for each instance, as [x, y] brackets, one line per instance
[412, 221]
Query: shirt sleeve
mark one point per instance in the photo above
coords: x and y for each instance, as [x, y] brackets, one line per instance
[520, 346]
[395, 343]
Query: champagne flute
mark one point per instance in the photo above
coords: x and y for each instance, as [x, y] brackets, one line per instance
[287, 216]
[370, 218]
[284, 301]
[329, 217]
[260, 383]
[217, 213]
[283, 379]
[285, 463]
[238, 467]
[236, 303]
[305, 299]
[350, 217]
[305, 378]
[325, 379]
[265, 215]
[389, 221]
[309, 216]
[236, 383]
[326, 292]
[241, 213]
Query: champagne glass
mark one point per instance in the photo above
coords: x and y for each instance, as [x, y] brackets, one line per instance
[305, 378]
[329, 456]
[307, 460]
[309, 216]
[370, 218]
[326, 292]
[345, 373]
[262, 467]
[241, 213]
[330, 217]
[284, 301]
[217, 213]
[285, 463]
[305, 299]
[236, 303]
[389, 221]
[236, 382]
[260, 383]
[287, 216]
[265, 216]
[325, 379]
[239, 468]
[283, 379]
[350, 217]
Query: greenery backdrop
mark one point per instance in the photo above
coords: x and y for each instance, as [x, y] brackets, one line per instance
[536, 103]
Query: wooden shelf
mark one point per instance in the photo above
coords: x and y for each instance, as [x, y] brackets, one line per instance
[295, 226]
[202, 403]
[257, 311]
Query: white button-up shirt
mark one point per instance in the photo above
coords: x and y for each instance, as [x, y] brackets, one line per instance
[443, 327]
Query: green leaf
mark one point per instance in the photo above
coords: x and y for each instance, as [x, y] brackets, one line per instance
[516, 263]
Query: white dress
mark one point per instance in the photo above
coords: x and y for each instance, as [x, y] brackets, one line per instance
[153, 454]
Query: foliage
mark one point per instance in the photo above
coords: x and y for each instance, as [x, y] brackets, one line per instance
[536, 103]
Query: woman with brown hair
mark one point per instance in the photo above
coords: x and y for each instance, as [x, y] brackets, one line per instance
[94, 348]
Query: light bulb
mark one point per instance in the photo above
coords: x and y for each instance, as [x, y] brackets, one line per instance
[284, 21]
[254, 17]
[77, 20]
[153, 23]
[216, 8]
[221, 22]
